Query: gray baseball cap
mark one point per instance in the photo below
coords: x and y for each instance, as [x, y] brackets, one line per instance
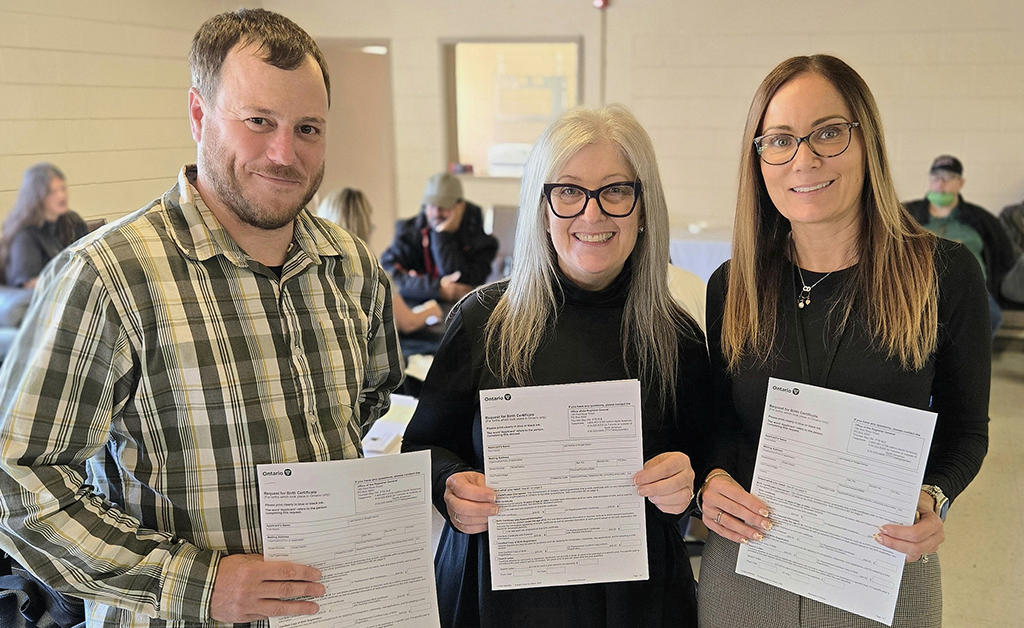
[444, 190]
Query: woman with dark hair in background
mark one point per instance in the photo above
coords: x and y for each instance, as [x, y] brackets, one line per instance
[39, 226]
[833, 284]
[587, 301]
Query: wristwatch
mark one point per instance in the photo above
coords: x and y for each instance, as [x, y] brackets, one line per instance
[941, 501]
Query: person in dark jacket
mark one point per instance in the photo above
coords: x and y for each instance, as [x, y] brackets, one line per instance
[945, 213]
[442, 253]
[39, 226]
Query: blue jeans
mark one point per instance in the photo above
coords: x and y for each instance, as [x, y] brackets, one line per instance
[995, 314]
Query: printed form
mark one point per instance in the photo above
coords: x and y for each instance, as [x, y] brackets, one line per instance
[561, 460]
[833, 467]
[365, 524]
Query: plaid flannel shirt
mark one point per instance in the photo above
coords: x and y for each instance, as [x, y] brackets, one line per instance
[156, 367]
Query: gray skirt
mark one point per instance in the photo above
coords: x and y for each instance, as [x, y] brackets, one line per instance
[726, 599]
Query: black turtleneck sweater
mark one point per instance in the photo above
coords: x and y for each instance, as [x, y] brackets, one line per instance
[582, 345]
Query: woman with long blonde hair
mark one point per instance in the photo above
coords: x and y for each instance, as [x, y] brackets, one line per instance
[833, 284]
[587, 301]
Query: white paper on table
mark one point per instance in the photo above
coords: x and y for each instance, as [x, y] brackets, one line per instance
[833, 467]
[561, 460]
[385, 435]
[365, 524]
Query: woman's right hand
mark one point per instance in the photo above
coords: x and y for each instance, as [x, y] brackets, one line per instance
[470, 501]
[732, 512]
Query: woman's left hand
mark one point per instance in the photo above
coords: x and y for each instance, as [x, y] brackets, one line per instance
[667, 481]
[919, 539]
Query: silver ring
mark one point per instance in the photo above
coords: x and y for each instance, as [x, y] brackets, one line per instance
[718, 519]
[455, 517]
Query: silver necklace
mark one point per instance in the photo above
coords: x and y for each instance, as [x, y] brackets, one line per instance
[804, 298]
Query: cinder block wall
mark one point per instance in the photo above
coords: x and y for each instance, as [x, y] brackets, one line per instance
[99, 88]
[948, 75]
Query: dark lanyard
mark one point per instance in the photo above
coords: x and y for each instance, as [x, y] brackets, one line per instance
[830, 351]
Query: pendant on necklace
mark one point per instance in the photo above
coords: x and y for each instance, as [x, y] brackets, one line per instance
[805, 297]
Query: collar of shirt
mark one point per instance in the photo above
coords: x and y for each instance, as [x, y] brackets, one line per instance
[200, 237]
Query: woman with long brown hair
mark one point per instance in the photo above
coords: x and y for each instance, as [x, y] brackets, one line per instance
[833, 284]
[39, 225]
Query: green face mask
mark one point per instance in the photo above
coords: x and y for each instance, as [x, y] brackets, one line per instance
[941, 199]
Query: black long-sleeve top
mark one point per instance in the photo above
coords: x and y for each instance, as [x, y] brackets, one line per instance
[954, 383]
[584, 345]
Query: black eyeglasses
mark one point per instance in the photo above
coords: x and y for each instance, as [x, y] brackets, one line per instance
[617, 200]
[830, 140]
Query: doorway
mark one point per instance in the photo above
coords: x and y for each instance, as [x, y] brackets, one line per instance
[360, 129]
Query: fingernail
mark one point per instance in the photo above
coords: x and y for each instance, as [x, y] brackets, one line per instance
[764, 512]
[877, 537]
[758, 536]
[767, 525]
[744, 541]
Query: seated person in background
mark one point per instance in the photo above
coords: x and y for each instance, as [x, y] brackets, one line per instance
[349, 208]
[1012, 218]
[39, 226]
[442, 253]
[945, 213]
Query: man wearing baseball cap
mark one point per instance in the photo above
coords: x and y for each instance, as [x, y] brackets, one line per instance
[442, 253]
[945, 213]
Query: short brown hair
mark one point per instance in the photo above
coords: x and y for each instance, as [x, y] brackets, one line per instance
[279, 41]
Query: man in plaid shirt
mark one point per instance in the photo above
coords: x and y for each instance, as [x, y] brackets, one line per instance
[165, 356]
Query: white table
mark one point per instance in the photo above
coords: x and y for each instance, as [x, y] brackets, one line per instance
[701, 253]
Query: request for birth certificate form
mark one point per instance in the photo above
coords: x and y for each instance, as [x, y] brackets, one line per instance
[365, 524]
[833, 467]
[561, 460]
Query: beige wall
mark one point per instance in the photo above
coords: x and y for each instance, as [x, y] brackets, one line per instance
[949, 77]
[99, 88]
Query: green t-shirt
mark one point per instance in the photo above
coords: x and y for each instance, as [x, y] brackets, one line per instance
[951, 228]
